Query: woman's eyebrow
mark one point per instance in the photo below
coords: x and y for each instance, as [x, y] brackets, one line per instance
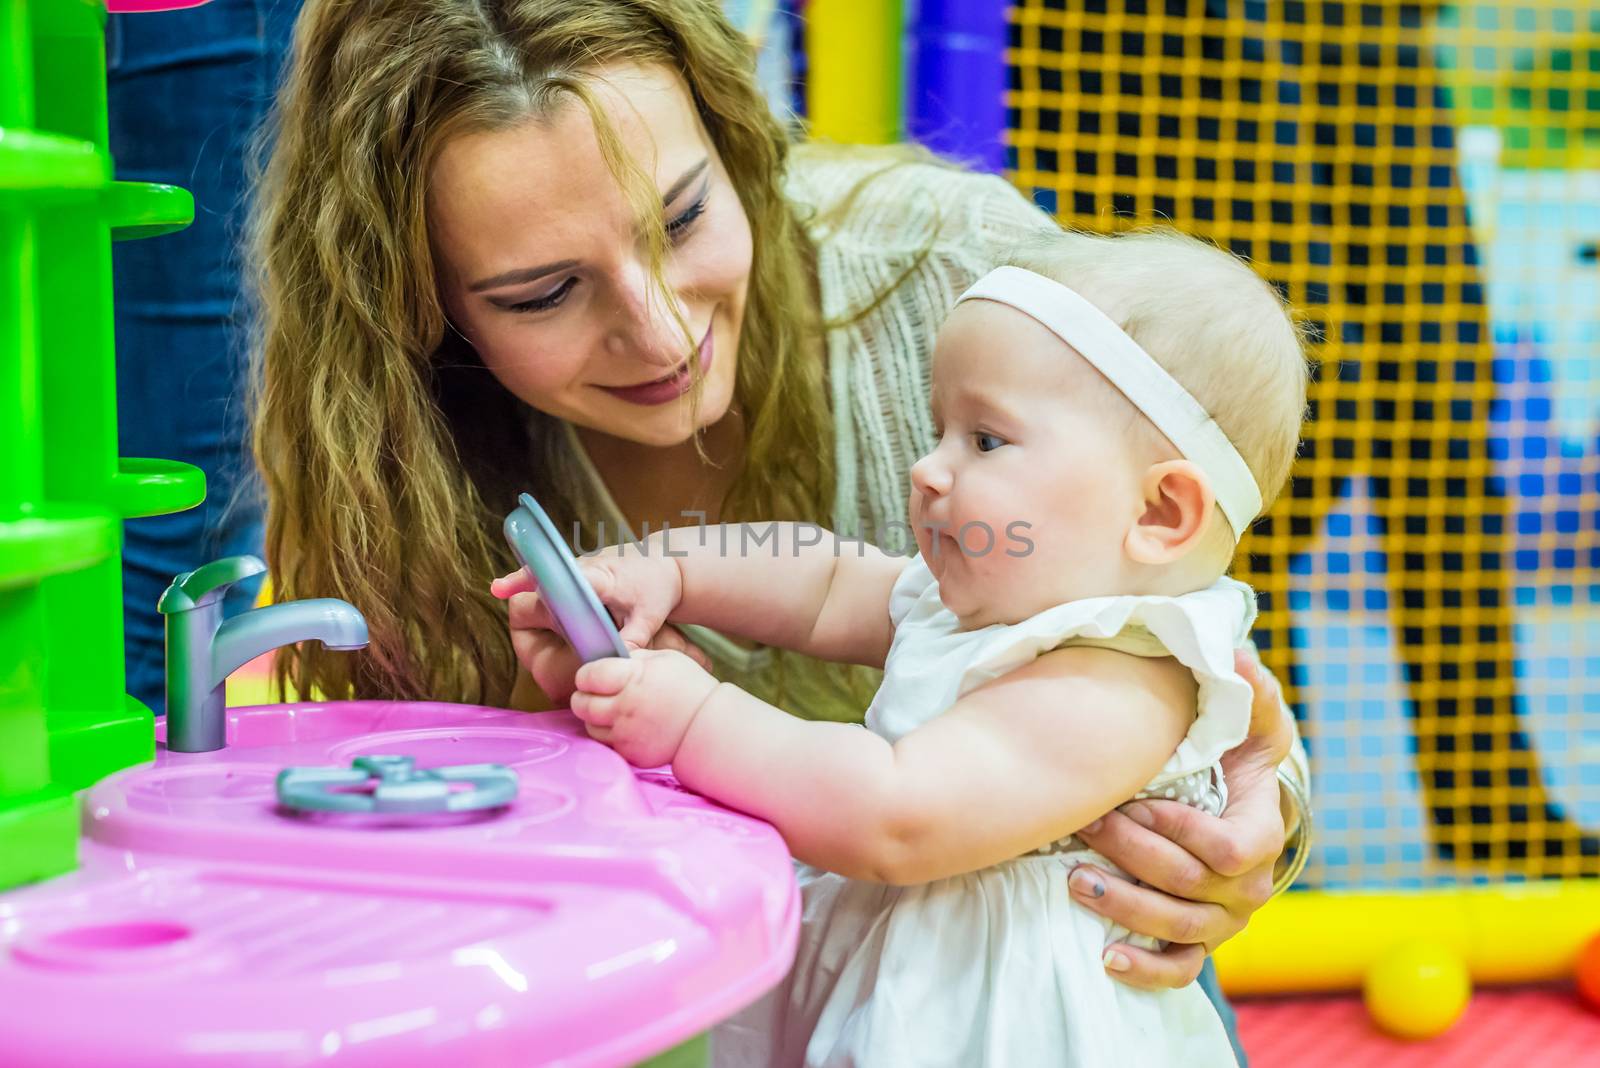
[683, 183]
[521, 275]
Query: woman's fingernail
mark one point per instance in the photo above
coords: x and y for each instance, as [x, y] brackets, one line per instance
[1084, 883]
[1140, 814]
[1090, 828]
[1114, 961]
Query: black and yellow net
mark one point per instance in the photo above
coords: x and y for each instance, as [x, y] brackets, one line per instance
[1423, 184]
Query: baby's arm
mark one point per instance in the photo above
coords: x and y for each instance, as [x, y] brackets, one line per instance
[1020, 762]
[791, 585]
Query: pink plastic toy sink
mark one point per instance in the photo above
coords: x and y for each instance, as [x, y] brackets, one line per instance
[601, 918]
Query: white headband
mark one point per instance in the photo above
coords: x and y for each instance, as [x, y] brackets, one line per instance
[1140, 378]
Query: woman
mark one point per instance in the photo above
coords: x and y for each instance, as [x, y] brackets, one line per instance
[562, 245]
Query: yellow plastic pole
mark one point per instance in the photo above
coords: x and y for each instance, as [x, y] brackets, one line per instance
[1304, 942]
[853, 60]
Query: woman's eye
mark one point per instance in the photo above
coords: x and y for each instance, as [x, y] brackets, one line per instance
[549, 300]
[988, 442]
[680, 225]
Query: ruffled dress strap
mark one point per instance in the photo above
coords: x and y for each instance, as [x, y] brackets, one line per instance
[1201, 630]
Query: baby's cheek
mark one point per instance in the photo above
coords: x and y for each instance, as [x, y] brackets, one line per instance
[1005, 586]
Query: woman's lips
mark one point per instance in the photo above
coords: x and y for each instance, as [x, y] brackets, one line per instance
[672, 386]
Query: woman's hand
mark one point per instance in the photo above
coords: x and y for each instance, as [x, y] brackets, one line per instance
[1204, 874]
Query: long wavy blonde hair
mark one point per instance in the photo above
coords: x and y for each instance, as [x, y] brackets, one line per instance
[389, 453]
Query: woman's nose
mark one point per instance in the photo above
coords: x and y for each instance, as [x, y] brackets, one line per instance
[931, 476]
[645, 327]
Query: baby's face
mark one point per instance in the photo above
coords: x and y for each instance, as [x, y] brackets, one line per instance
[1028, 495]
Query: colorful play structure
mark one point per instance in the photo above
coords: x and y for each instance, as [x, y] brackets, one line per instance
[1423, 181]
[65, 721]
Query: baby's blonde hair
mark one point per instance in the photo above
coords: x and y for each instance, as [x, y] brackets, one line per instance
[1206, 317]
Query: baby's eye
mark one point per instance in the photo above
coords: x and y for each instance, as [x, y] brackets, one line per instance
[988, 442]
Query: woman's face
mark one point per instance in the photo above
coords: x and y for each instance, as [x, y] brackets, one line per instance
[543, 270]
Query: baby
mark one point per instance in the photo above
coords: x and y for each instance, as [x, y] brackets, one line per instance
[1111, 414]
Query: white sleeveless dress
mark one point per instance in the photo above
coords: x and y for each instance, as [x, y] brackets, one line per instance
[999, 968]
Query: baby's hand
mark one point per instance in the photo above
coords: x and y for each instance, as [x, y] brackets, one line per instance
[642, 706]
[547, 656]
[639, 588]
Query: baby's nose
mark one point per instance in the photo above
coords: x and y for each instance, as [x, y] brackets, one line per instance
[930, 477]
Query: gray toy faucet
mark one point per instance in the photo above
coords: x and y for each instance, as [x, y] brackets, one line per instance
[203, 650]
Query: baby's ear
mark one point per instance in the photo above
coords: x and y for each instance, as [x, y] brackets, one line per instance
[1178, 507]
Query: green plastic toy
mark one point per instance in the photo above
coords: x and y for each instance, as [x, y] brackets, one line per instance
[65, 720]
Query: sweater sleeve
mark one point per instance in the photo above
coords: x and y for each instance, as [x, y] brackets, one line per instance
[899, 237]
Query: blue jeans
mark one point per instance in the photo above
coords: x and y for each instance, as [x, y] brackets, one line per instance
[1208, 983]
[187, 90]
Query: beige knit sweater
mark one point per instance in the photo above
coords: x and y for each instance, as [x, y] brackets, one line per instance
[937, 230]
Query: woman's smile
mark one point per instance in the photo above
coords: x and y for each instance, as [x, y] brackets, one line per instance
[672, 386]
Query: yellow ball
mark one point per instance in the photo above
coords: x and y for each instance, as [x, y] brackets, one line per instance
[1417, 990]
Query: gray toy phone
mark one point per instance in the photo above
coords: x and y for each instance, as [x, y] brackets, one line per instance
[581, 618]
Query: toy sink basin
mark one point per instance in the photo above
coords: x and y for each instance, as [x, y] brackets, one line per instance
[602, 917]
